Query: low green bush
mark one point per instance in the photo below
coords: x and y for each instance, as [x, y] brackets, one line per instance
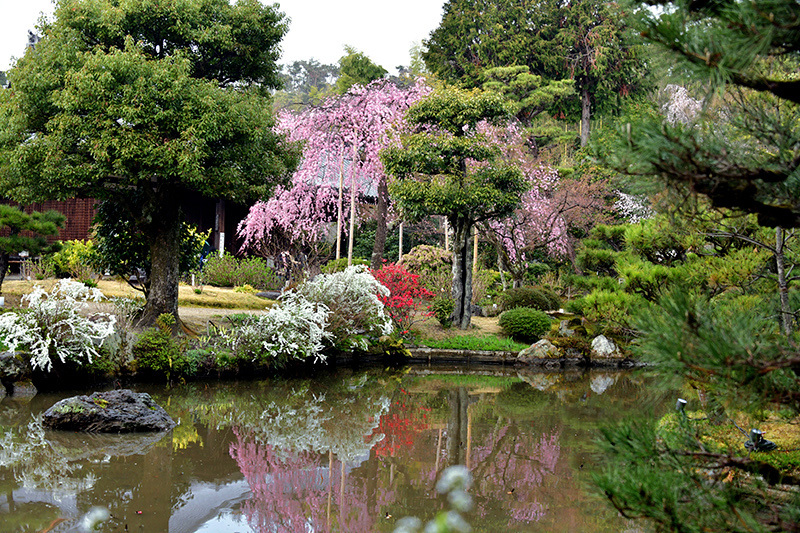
[525, 324]
[544, 300]
[338, 265]
[157, 353]
[76, 259]
[230, 271]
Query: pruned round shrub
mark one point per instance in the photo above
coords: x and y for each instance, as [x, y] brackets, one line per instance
[544, 300]
[525, 324]
[230, 271]
[554, 300]
[157, 353]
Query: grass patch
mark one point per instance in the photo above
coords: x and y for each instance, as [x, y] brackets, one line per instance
[214, 297]
[475, 342]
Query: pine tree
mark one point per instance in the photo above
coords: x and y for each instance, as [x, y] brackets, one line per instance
[449, 168]
[682, 472]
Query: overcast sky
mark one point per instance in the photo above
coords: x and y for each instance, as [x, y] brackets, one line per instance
[385, 31]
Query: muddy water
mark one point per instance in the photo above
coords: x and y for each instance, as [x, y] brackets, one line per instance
[350, 452]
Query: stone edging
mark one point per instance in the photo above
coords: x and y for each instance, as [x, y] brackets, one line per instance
[437, 355]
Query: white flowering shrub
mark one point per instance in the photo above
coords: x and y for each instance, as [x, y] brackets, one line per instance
[52, 326]
[295, 329]
[332, 308]
[352, 298]
[633, 208]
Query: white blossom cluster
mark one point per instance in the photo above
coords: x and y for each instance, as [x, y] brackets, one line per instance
[331, 307]
[294, 329]
[52, 325]
[681, 108]
[352, 298]
[633, 208]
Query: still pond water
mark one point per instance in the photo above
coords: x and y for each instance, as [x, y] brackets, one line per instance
[349, 452]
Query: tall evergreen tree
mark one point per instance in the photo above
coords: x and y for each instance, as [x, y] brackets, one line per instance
[741, 152]
[140, 103]
[583, 40]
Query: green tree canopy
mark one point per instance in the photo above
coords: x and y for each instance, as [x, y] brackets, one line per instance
[140, 102]
[449, 168]
[742, 149]
[582, 40]
[356, 68]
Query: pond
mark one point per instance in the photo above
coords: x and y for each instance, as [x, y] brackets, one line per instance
[349, 452]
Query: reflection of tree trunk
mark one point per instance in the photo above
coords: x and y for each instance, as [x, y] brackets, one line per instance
[457, 431]
[438, 451]
[372, 483]
[153, 497]
[330, 487]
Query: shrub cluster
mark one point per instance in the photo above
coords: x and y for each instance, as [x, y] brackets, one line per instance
[52, 330]
[335, 310]
[434, 266]
[77, 259]
[405, 295]
[525, 324]
[157, 353]
[230, 271]
[540, 298]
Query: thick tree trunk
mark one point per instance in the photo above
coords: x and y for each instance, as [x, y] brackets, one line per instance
[586, 113]
[3, 268]
[162, 298]
[381, 210]
[462, 273]
[787, 317]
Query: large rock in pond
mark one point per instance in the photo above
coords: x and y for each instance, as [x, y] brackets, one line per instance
[604, 348]
[539, 351]
[118, 411]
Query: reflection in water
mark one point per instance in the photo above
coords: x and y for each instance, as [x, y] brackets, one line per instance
[349, 453]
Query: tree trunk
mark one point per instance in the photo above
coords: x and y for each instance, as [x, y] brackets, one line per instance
[380, 231]
[586, 114]
[3, 268]
[352, 221]
[462, 273]
[339, 214]
[787, 317]
[162, 298]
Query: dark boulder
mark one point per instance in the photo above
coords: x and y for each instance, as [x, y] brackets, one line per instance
[118, 411]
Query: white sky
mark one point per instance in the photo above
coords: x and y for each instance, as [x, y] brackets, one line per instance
[385, 31]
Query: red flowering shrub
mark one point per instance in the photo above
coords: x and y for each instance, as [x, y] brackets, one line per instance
[404, 297]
